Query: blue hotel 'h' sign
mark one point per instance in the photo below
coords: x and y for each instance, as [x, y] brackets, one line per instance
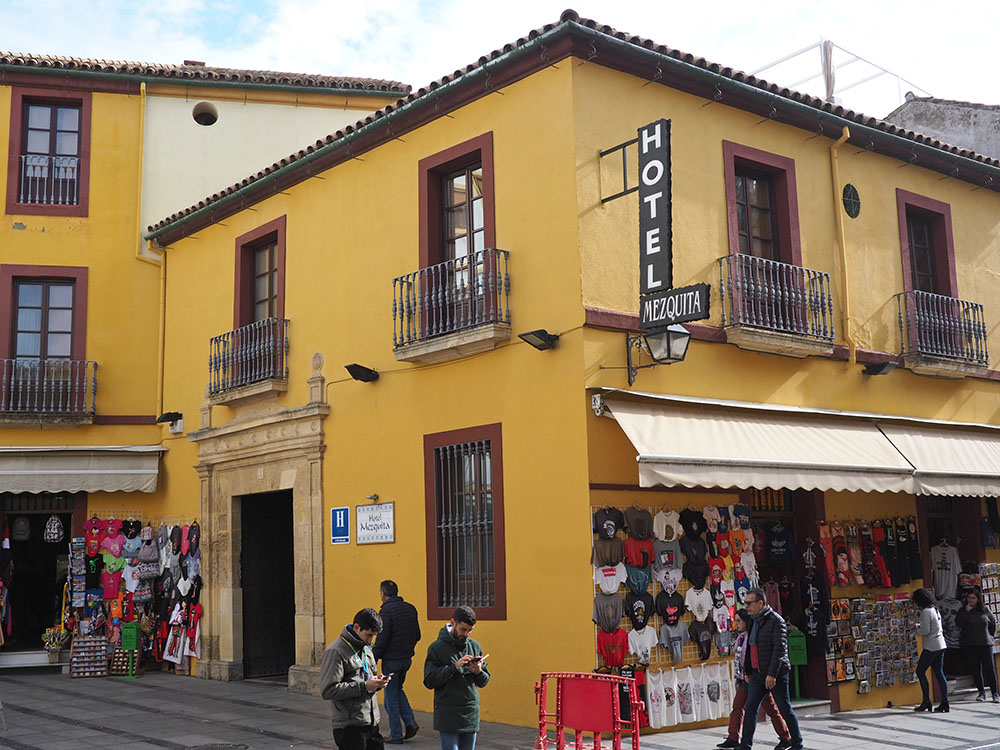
[340, 525]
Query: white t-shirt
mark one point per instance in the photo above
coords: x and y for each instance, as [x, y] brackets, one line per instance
[609, 578]
[671, 711]
[667, 526]
[685, 695]
[669, 578]
[946, 566]
[641, 642]
[699, 601]
[713, 692]
[723, 621]
[655, 700]
[729, 592]
[749, 563]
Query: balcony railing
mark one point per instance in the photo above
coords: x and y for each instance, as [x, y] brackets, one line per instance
[50, 180]
[775, 296]
[250, 354]
[448, 297]
[940, 326]
[54, 387]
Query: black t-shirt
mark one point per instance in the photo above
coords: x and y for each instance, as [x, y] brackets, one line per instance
[93, 566]
[701, 633]
[693, 522]
[639, 608]
[608, 522]
[670, 607]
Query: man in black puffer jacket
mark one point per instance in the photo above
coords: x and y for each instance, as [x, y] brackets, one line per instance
[394, 647]
[766, 667]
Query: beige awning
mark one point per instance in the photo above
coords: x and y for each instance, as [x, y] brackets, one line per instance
[692, 445]
[105, 468]
[949, 461]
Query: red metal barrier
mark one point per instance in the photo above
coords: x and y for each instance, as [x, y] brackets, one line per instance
[587, 702]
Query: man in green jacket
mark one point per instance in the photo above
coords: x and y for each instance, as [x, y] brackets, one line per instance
[349, 680]
[455, 669]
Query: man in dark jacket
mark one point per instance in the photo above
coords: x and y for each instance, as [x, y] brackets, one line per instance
[394, 647]
[348, 680]
[455, 669]
[766, 667]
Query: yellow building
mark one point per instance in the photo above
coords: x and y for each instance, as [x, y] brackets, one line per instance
[96, 150]
[466, 463]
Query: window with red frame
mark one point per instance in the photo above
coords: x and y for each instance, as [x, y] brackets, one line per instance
[43, 320]
[465, 528]
[49, 169]
[756, 214]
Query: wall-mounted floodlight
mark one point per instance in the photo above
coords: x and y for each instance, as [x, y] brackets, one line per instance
[362, 373]
[540, 339]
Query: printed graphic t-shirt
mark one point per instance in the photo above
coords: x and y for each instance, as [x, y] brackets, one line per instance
[608, 611]
[641, 642]
[670, 607]
[612, 647]
[639, 608]
[609, 577]
[608, 522]
[667, 525]
[699, 601]
[673, 638]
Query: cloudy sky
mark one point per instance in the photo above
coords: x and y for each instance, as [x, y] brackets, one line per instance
[942, 49]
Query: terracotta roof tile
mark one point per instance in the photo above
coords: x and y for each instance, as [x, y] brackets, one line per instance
[568, 17]
[201, 73]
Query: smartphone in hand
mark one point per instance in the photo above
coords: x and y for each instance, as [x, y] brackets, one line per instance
[479, 658]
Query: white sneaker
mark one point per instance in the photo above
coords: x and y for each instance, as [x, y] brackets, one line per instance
[981, 697]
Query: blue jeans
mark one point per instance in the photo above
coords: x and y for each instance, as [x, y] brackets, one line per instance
[396, 703]
[756, 690]
[934, 660]
[458, 741]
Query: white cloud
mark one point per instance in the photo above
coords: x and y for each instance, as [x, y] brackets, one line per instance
[933, 45]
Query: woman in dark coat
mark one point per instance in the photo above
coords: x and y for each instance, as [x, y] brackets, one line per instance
[977, 626]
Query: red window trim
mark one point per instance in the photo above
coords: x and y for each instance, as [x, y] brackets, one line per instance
[943, 237]
[245, 245]
[431, 170]
[786, 199]
[10, 273]
[493, 433]
[18, 95]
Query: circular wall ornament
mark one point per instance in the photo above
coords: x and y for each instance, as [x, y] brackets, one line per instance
[852, 201]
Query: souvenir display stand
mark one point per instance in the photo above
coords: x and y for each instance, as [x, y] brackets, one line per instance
[133, 596]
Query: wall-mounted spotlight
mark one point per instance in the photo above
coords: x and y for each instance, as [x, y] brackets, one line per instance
[880, 368]
[362, 373]
[174, 421]
[665, 346]
[540, 339]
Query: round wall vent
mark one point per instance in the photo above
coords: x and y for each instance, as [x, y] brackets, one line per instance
[852, 201]
[205, 113]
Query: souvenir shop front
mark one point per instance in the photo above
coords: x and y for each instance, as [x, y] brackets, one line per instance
[821, 512]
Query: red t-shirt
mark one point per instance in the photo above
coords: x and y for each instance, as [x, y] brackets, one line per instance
[639, 552]
[612, 647]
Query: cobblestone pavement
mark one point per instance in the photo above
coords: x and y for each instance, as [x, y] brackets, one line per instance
[51, 711]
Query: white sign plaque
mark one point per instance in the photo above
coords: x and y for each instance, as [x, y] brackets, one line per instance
[376, 523]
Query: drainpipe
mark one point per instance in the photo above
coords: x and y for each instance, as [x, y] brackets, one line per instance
[845, 296]
[160, 262]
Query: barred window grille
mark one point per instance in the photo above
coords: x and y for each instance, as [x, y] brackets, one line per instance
[464, 523]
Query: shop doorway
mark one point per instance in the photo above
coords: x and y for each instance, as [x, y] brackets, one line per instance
[33, 571]
[268, 583]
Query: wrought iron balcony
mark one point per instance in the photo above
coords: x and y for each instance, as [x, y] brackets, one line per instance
[250, 354]
[50, 180]
[933, 325]
[774, 296]
[451, 297]
[53, 387]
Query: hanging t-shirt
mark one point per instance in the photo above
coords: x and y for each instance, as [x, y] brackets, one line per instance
[609, 577]
[670, 607]
[608, 611]
[670, 708]
[113, 563]
[711, 514]
[945, 567]
[771, 594]
[737, 539]
[639, 522]
[711, 545]
[685, 697]
[93, 567]
[724, 522]
[672, 638]
[639, 608]
[759, 547]
[698, 696]
[641, 642]
[716, 568]
[638, 579]
[718, 598]
[693, 522]
[699, 601]
[655, 700]
[696, 563]
[729, 592]
[742, 587]
[113, 544]
[713, 692]
[667, 554]
[724, 642]
[780, 545]
[916, 569]
[702, 633]
[722, 618]
[949, 608]
[741, 515]
[669, 579]
[612, 647]
[608, 522]
[667, 526]
[639, 552]
[111, 583]
[722, 541]
[749, 564]
[605, 552]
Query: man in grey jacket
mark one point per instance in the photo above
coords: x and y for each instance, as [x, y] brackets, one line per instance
[349, 680]
[766, 668]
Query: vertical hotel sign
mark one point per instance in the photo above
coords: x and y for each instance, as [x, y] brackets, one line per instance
[655, 240]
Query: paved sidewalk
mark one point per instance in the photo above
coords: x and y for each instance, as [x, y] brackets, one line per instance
[160, 710]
